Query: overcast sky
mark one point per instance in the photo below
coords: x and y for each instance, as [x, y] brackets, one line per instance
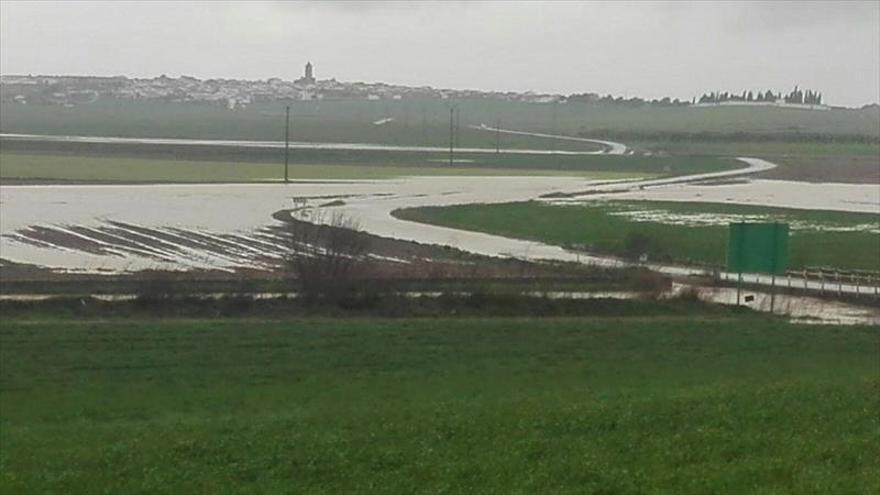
[648, 49]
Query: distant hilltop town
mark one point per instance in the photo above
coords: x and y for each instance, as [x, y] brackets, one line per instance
[233, 93]
[238, 93]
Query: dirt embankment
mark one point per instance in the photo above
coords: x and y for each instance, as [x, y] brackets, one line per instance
[864, 169]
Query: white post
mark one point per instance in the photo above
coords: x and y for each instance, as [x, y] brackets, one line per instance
[772, 291]
[739, 281]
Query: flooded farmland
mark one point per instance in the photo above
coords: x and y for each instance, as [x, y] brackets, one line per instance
[111, 228]
[863, 198]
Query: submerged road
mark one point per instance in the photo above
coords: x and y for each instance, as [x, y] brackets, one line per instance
[376, 216]
[611, 147]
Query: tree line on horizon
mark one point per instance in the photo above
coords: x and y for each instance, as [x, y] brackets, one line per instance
[619, 100]
[797, 95]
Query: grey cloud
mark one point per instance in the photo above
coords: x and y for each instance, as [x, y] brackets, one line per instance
[651, 49]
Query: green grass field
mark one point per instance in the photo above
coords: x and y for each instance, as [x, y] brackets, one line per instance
[426, 122]
[416, 122]
[838, 168]
[339, 165]
[123, 169]
[601, 227]
[623, 406]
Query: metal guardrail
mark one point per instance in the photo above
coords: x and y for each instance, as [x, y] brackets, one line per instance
[823, 280]
[833, 280]
[820, 280]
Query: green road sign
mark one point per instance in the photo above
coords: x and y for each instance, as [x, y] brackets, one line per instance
[757, 248]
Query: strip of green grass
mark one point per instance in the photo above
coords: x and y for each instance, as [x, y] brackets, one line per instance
[468, 405]
[127, 169]
[503, 162]
[596, 226]
[419, 121]
[858, 169]
[416, 122]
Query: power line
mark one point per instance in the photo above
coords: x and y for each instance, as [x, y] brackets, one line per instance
[457, 133]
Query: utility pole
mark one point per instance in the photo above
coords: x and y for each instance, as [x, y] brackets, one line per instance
[773, 267]
[451, 134]
[424, 125]
[497, 136]
[457, 135]
[286, 143]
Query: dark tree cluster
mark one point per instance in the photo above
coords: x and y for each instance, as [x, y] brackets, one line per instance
[808, 97]
[619, 100]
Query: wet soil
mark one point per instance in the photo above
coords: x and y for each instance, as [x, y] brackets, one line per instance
[843, 169]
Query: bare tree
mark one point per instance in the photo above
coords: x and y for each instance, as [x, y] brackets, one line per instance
[328, 257]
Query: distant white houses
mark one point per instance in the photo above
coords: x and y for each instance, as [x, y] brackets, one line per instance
[228, 93]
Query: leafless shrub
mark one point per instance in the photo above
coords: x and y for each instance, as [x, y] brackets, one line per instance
[652, 285]
[328, 257]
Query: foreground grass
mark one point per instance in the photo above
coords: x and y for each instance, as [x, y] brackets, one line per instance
[601, 228]
[465, 405]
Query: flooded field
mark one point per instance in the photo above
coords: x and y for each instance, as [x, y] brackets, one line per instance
[799, 308]
[117, 228]
[646, 212]
[127, 228]
[863, 198]
[132, 227]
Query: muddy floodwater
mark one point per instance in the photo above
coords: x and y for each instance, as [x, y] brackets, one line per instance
[109, 228]
[863, 198]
